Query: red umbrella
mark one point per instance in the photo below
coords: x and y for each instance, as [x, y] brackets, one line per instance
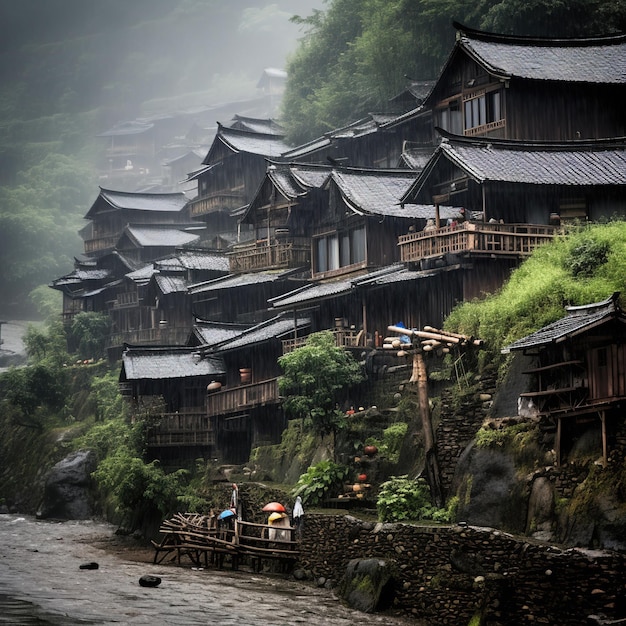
[274, 507]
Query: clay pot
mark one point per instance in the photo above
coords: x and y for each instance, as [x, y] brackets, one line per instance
[362, 478]
[370, 450]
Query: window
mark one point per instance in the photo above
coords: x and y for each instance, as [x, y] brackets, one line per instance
[480, 109]
[340, 250]
[450, 118]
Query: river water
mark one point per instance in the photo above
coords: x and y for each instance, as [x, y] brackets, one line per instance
[41, 583]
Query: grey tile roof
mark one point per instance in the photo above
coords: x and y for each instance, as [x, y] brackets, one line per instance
[379, 192]
[312, 293]
[234, 281]
[557, 60]
[147, 236]
[127, 128]
[313, 176]
[170, 284]
[144, 201]
[417, 158]
[579, 319]
[254, 143]
[211, 333]
[539, 164]
[255, 125]
[161, 363]
[194, 260]
[308, 148]
[143, 274]
[271, 329]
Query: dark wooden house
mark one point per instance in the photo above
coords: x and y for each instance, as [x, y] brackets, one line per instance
[168, 387]
[231, 173]
[578, 375]
[113, 211]
[280, 217]
[245, 410]
[514, 194]
[528, 88]
[152, 305]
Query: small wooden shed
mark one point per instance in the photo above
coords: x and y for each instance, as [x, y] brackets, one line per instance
[580, 372]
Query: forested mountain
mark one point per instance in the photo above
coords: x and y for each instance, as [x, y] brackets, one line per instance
[70, 69]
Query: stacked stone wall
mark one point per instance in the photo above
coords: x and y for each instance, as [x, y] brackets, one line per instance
[447, 575]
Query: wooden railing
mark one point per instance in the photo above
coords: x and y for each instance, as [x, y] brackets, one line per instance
[191, 427]
[218, 201]
[170, 336]
[242, 397]
[100, 243]
[259, 256]
[347, 338]
[475, 237]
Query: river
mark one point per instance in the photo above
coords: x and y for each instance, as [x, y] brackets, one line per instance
[12, 351]
[41, 583]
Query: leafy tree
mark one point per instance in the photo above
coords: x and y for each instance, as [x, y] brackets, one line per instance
[31, 394]
[314, 377]
[46, 345]
[90, 331]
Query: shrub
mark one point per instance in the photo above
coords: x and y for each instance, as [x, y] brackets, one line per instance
[320, 481]
[401, 498]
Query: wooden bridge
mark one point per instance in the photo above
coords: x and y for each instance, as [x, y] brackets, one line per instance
[205, 541]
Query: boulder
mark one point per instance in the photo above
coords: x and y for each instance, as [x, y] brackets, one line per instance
[69, 488]
[367, 584]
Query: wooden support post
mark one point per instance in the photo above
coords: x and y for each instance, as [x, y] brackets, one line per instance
[557, 443]
[604, 441]
[432, 465]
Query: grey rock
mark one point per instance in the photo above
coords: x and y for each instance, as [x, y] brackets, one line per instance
[68, 491]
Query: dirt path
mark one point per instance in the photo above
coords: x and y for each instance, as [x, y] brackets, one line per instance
[41, 583]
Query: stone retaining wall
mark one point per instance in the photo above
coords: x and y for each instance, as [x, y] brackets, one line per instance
[446, 575]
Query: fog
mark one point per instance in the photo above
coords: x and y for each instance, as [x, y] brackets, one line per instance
[137, 57]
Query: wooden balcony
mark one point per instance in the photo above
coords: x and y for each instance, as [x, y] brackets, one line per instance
[168, 336]
[100, 243]
[191, 427]
[217, 201]
[261, 256]
[475, 238]
[242, 397]
[344, 338]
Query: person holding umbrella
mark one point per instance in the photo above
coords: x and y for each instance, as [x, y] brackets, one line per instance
[297, 515]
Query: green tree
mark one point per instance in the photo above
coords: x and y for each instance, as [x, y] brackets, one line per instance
[90, 331]
[314, 378]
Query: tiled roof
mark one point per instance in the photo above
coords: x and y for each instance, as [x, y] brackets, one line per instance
[579, 319]
[311, 293]
[311, 176]
[144, 201]
[255, 125]
[253, 143]
[417, 158]
[561, 60]
[539, 164]
[271, 329]
[146, 236]
[170, 284]
[159, 363]
[211, 333]
[194, 260]
[143, 274]
[234, 281]
[378, 192]
[283, 180]
[308, 148]
[127, 128]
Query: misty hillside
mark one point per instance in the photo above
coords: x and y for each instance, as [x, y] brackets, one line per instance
[70, 69]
